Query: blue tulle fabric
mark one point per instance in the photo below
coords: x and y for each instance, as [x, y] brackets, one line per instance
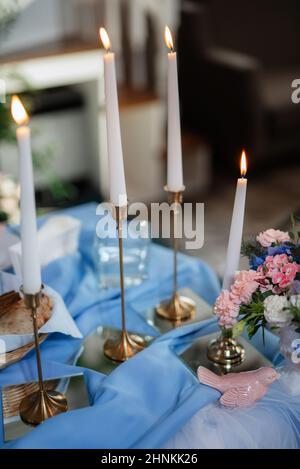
[273, 422]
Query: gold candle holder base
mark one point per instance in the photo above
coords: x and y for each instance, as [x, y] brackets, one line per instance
[196, 355]
[225, 351]
[177, 310]
[120, 349]
[39, 406]
[42, 405]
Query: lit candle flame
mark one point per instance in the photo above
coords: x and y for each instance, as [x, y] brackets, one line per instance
[18, 111]
[169, 38]
[104, 38]
[243, 164]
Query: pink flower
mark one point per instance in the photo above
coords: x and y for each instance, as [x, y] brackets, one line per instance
[227, 309]
[285, 282]
[279, 271]
[281, 280]
[274, 264]
[269, 237]
[278, 261]
[265, 285]
[290, 270]
[278, 278]
[245, 284]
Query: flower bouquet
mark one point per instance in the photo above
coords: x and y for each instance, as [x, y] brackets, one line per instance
[267, 295]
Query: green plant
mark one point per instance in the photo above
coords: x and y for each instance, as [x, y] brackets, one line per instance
[253, 315]
[9, 11]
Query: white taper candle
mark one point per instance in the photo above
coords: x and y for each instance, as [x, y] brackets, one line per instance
[31, 270]
[174, 170]
[118, 195]
[236, 229]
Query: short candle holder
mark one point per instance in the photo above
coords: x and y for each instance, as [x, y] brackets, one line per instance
[120, 349]
[225, 351]
[41, 405]
[179, 308]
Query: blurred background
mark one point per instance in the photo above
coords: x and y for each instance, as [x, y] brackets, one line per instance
[237, 60]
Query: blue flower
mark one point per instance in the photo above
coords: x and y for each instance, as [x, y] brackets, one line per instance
[280, 249]
[256, 261]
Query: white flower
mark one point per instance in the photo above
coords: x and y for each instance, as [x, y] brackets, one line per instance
[295, 300]
[274, 310]
[8, 187]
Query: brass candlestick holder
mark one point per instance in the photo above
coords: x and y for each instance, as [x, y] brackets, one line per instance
[178, 308]
[225, 351]
[120, 349]
[41, 405]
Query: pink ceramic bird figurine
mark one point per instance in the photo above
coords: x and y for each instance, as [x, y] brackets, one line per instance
[239, 389]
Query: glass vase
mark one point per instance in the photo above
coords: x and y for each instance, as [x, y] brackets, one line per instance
[290, 345]
[135, 255]
[290, 368]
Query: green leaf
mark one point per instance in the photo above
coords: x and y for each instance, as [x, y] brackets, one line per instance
[263, 332]
[292, 218]
[296, 251]
[238, 328]
[250, 248]
[252, 330]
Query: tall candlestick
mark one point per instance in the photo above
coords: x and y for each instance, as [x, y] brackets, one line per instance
[174, 176]
[236, 229]
[31, 270]
[118, 196]
[121, 348]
